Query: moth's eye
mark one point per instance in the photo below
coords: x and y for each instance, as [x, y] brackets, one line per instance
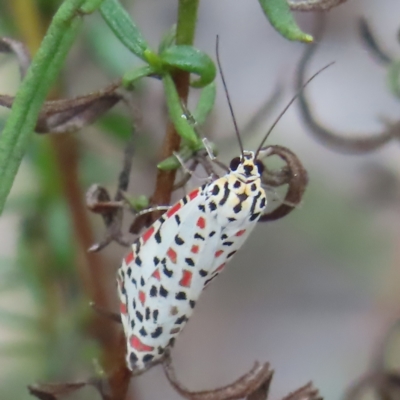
[260, 166]
[234, 164]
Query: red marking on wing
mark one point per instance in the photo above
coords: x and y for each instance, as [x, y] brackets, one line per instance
[156, 274]
[138, 345]
[193, 194]
[129, 258]
[201, 222]
[240, 233]
[220, 268]
[148, 234]
[173, 209]
[195, 249]
[186, 280]
[123, 309]
[171, 253]
[218, 253]
[142, 297]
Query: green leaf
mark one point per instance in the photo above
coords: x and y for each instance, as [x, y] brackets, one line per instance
[169, 164]
[123, 27]
[131, 77]
[139, 203]
[90, 6]
[168, 39]
[176, 113]
[281, 18]
[192, 60]
[45, 67]
[205, 103]
[393, 78]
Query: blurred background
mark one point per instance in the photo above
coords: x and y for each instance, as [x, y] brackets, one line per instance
[313, 293]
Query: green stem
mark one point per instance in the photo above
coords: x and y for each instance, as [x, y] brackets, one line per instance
[187, 18]
[185, 33]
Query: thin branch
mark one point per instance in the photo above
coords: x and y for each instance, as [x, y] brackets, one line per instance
[242, 387]
[314, 5]
[372, 44]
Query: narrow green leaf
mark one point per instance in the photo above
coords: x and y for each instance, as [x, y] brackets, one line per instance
[90, 6]
[205, 103]
[168, 39]
[169, 164]
[130, 78]
[33, 90]
[139, 203]
[281, 18]
[176, 113]
[123, 27]
[192, 60]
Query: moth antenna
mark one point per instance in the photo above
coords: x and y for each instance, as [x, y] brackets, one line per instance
[229, 99]
[288, 105]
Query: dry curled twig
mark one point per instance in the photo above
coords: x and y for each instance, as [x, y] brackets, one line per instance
[55, 391]
[342, 142]
[372, 44]
[242, 387]
[292, 174]
[8, 45]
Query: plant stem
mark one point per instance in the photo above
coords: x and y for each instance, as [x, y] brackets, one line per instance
[185, 32]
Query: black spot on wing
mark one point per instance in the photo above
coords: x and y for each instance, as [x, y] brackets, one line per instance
[215, 190]
[143, 332]
[254, 216]
[157, 332]
[181, 296]
[139, 316]
[179, 241]
[237, 208]
[181, 320]
[157, 236]
[167, 272]
[212, 206]
[147, 358]
[153, 291]
[226, 194]
[198, 236]
[163, 291]
[189, 261]
[155, 316]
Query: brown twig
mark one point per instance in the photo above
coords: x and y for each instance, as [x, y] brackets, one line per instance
[165, 179]
[242, 387]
